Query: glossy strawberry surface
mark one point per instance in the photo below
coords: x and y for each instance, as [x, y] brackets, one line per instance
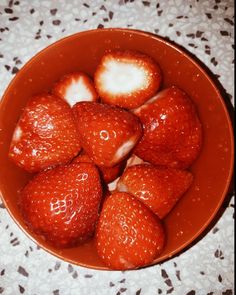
[45, 134]
[107, 133]
[62, 204]
[159, 188]
[172, 132]
[128, 234]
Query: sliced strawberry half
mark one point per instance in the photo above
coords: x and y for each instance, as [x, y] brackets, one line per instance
[45, 134]
[108, 174]
[62, 203]
[159, 188]
[172, 130]
[127, 78]
[75, 87]
[128, 234]
[107, 133]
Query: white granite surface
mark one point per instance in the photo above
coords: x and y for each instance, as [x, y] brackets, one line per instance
[206, 29]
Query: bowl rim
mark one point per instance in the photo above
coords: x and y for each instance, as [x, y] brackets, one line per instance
[183, 51]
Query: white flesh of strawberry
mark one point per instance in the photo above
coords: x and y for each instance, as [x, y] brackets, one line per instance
[123, 77]
[17, 134]
[150, 101]
[125, 263]
[134, 160]
[124, 149]
[78, 91]
[121, 187]
[15, 138]
[112, 185]
[117, 184]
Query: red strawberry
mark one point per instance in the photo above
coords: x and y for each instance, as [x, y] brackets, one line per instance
[159, 188]
[82, 158]
[107, 133]
[62, 203]
[128, 235]
[127, 78]
[75, 87]
[172, 130]
[45, 135]
[108, 173]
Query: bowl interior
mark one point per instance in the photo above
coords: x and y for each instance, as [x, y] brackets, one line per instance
[212, 170]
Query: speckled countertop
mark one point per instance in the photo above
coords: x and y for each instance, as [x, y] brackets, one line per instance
[206, 29]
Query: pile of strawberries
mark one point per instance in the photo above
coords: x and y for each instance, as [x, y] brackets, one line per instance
[83, 135]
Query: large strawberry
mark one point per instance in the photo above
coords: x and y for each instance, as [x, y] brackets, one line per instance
[159, 188]
[127, 78]
[172, 130]
[107, 133]
[108, 174]
[62, 203]
[45, 134]
[75, 87]
[128, 234]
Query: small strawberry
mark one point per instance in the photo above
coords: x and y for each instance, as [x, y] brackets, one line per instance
[159, 188]
[45, 134]
[107, 133]
[62, 203]
[75, 87]
[128, 234]
[127, 78]
[108, 174]
[172, 131]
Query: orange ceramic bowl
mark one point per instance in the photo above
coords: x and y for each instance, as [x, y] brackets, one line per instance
[82, 51]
